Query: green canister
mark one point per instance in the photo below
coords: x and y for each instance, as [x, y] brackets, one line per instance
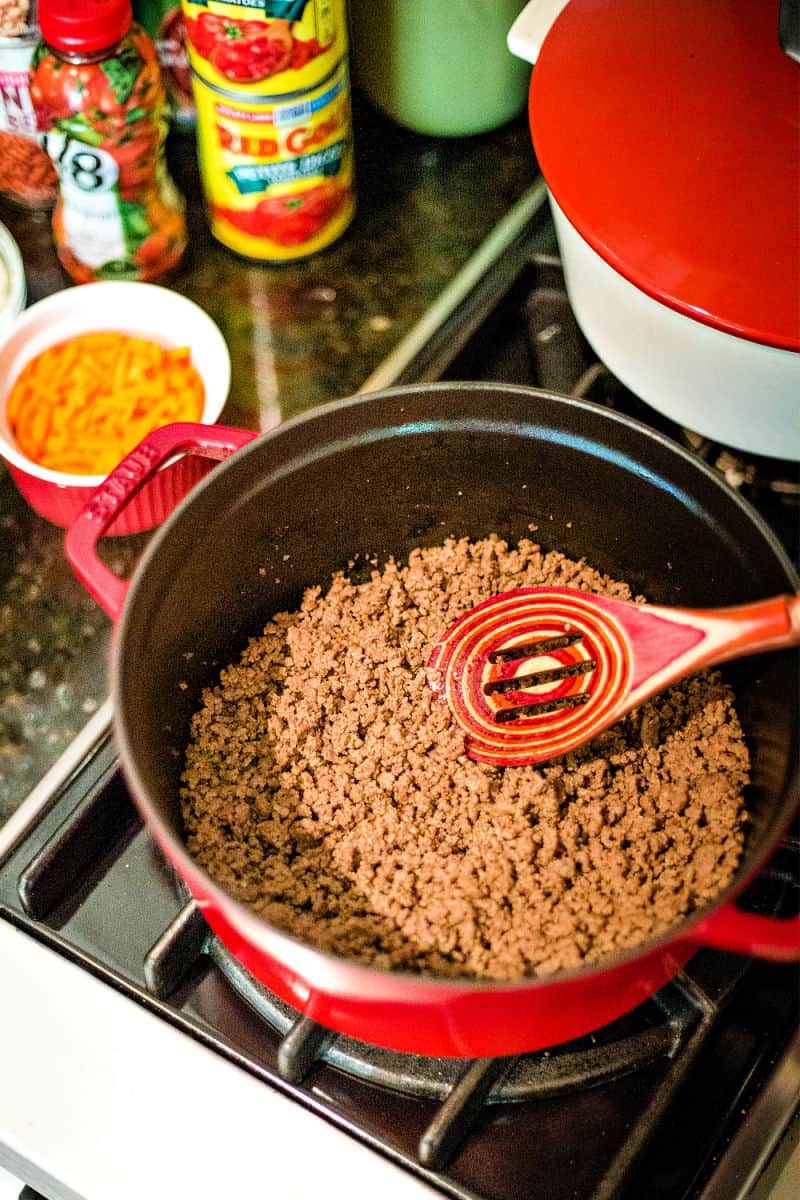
[440, 67]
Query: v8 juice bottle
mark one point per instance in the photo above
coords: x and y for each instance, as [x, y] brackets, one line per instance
[272, 91]
[96, 84]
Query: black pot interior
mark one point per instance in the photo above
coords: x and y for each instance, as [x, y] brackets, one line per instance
[375, 477]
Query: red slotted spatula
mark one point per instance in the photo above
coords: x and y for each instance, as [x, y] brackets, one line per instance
[534, 672]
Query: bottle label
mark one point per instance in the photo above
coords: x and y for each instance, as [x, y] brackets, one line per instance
[16, 110]
[118, 214]
[93, 220]
[26, 173]
[163, 20]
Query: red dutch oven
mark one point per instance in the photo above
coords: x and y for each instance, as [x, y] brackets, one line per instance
[384, 473]
[668, 134]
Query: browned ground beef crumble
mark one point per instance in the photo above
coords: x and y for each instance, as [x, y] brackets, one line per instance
[327, 787]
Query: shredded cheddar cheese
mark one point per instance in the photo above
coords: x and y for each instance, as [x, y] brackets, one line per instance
[82, 404]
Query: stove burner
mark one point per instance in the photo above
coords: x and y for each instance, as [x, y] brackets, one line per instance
[672, 1027]
[748, 472]
[653, 1031]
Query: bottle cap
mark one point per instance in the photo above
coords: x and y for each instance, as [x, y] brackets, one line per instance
[84, 25]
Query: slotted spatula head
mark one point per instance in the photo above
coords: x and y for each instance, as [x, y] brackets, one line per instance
[534, 672]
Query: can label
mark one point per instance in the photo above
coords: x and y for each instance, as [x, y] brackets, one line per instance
[277, 172]
[265, 47]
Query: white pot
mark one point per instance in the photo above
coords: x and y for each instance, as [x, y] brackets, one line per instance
[741, 392]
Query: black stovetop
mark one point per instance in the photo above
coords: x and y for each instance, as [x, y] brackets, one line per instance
[657, 1104]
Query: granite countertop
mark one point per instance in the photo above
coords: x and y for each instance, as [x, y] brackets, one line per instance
[299, 335]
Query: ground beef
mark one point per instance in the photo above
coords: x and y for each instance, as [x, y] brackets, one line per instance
[327, 787]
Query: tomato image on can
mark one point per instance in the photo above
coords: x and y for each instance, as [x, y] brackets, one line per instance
[274, 46]
[277, 171]
[289, 218]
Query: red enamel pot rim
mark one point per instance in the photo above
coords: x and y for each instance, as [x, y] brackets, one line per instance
[669, 135]
[396, 1009]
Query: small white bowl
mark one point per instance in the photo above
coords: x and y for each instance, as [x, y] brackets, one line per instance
[143, 310]
[13, 289]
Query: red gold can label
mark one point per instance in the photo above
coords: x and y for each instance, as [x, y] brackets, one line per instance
[277, 171]
[265, 47]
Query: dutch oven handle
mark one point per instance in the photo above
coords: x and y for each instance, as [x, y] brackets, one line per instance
[171, 441]
[531, 27]
[729, 928]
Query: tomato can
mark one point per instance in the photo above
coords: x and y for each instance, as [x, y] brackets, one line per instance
[265, 47]
[277, 171]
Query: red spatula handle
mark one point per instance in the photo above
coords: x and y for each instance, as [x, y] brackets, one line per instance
[752, 628]
[669, 643]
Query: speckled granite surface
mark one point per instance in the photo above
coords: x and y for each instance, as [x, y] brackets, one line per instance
[299, 335]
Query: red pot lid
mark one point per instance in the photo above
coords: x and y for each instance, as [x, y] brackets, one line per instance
[668, 132]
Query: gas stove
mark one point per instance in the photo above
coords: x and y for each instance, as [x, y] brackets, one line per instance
[202, 1083]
